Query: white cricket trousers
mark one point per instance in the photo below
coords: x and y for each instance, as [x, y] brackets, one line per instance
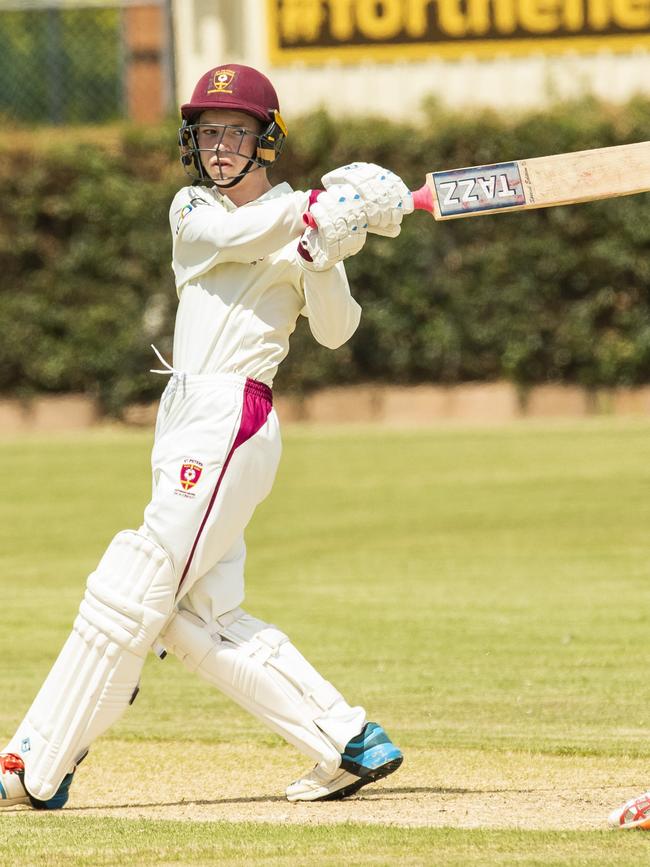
[216, 451]
[215, 455]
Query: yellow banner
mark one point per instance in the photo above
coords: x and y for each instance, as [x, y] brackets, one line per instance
[354, 30]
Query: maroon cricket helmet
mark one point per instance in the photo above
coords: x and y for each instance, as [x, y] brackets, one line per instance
[240, 88]
[233, 86]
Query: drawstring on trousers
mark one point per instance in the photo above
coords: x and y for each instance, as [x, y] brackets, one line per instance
[176, 377]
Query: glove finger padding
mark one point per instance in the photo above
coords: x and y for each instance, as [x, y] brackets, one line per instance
[341, 228]
[339, 211]
[316, 256]
[384, 194]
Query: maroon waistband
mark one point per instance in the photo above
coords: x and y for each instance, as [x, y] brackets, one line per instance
[259, 389]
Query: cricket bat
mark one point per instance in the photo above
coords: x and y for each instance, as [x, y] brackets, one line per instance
[541, 182]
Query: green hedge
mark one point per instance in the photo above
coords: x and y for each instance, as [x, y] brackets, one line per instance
[560, 294]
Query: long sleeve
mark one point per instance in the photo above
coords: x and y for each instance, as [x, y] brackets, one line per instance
[206, 233]
[333, 313]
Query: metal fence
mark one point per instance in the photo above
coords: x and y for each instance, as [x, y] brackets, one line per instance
[69, 62]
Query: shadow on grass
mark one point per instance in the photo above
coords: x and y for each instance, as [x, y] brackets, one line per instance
[374, 795]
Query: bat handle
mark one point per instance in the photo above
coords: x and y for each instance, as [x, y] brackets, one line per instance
[422, 201]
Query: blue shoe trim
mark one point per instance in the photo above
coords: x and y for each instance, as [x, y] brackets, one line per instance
[3, 794]
[371, 759]
[369, 751]
[58, 800]
[371, 735]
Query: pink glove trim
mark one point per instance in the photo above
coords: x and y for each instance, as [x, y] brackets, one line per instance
[307, 218]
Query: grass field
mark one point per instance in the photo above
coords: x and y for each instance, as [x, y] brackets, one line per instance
[484, 593]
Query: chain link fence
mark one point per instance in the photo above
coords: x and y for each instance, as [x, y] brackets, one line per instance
[70, 62]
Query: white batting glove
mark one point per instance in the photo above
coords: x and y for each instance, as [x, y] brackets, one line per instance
[340, 231]
[385, 195]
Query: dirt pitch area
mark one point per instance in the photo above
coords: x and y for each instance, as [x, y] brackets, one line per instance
[433, 788]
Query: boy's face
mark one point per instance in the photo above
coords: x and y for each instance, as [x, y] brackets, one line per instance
[227, 139]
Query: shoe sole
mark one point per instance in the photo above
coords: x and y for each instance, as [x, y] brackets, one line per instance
[13, 802]
[639, 825]
[371, 777]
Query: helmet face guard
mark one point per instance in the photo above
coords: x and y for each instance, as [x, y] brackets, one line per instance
[261, 149]
[239, 88]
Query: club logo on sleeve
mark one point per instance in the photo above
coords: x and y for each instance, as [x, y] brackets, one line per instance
[187, 209]
[189, 477]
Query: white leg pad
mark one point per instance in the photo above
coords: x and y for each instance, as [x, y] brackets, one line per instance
[94, 679]
[257, 666]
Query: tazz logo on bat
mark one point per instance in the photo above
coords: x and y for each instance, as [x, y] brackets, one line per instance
[481, 188]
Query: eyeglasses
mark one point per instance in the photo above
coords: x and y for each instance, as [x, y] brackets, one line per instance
[233, 139]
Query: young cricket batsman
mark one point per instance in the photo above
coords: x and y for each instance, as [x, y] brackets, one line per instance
[246, 266]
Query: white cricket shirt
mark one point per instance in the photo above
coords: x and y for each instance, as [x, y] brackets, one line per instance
[241, 287]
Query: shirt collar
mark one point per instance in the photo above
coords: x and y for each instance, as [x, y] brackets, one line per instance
[275, 192]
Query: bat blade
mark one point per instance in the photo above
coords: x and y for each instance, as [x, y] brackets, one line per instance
[542, 182]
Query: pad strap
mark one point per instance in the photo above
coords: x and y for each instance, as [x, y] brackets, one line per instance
[257, 665]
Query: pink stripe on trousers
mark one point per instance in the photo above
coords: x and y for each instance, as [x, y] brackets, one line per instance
[257, 404]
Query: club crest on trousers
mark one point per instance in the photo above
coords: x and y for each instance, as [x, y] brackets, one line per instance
[190, 473]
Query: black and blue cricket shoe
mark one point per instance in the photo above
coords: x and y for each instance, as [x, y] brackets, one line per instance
[370, 756]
